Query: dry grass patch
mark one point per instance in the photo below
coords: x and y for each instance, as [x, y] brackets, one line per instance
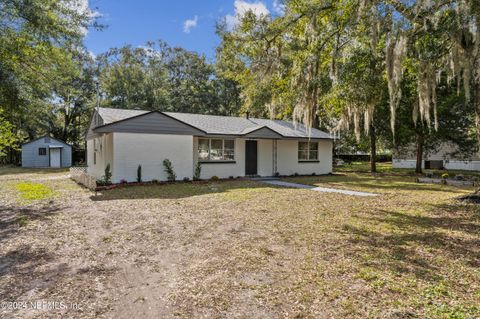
[250, 250]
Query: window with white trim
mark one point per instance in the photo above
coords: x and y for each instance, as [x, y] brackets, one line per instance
[216, 149]
[308, 151]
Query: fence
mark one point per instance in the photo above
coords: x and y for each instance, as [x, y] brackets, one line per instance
[79, 175]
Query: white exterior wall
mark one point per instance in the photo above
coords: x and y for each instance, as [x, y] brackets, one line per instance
[403, 163]
[463, 165]
[104, 155]
[125, 151]
[149, 150]
[288, 164]
[447, 164]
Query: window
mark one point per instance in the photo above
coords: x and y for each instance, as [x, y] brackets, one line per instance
[215, 149]
[308, 151]
[94, 158]
[42, 151]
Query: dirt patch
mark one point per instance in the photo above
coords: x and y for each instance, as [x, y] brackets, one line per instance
[242, 249]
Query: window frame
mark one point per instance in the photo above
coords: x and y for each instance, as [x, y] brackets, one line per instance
[40, 153]
[222, 150]
[307, 150]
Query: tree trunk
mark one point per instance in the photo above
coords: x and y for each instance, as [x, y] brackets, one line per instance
[418, 168]
[476, 105]
[373, 150]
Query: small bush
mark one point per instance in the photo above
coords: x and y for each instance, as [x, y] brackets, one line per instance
[139, 174]
[314, 174]
[155, 181]
[186, 179]
[168, 169]
[460, 177]
[214, 178]
[123, 181]
[429, 175]
[277, 174]
[231, 177]
[445, 175]
[107, 178]
[102, 182]
[295, 174]
[198, 171]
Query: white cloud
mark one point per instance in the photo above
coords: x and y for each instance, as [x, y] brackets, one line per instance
[190, 24]
[279, 7]
[241, 7]
[82, 7]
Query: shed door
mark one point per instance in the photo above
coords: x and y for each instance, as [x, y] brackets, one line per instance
[55, 157]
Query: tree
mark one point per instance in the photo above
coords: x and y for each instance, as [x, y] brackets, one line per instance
[159, 77]
[38, 41]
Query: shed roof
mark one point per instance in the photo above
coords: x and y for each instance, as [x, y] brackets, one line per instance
[51, 138]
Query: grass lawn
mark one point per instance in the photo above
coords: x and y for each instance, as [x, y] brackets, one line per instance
[241, 249]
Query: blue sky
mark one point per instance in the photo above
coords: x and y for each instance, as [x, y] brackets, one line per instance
[186, 23]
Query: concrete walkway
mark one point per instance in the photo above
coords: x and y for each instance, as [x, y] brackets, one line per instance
[317, 189]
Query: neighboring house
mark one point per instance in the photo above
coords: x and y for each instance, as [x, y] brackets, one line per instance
[46, 151]
[225, 146]
[445, 157]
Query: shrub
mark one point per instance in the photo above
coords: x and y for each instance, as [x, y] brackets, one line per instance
[314, 174]
[154, 180]
[460, 177]
[295, 174]
[445, 175]
[107, 178]
[429, 175]
[214, 178]
[277, 174]
[123, 181]
[186, 179]
[139, 174]
[168, 169]
[197, 172]
[231, 177]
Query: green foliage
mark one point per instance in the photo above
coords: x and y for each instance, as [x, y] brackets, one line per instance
[139, 173]
[159, 77]
[8, 139]
[214, 178]
[108, 175]
[198, 171]
[445, 175]
[33, 191]
[168, 169]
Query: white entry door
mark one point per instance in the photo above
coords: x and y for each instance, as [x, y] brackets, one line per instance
[55, 157]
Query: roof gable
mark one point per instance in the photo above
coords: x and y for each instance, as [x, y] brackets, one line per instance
[263, 132]
[51, 139]
[152, 122]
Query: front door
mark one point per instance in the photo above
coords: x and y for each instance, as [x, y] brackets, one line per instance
[250, 157]
[55, 157]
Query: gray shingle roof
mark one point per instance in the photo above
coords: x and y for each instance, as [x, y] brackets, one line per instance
[225, 125]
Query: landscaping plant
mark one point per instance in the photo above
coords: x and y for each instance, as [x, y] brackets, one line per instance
[197, 172]
[168, 168]
[139, 173]
[107, 178]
